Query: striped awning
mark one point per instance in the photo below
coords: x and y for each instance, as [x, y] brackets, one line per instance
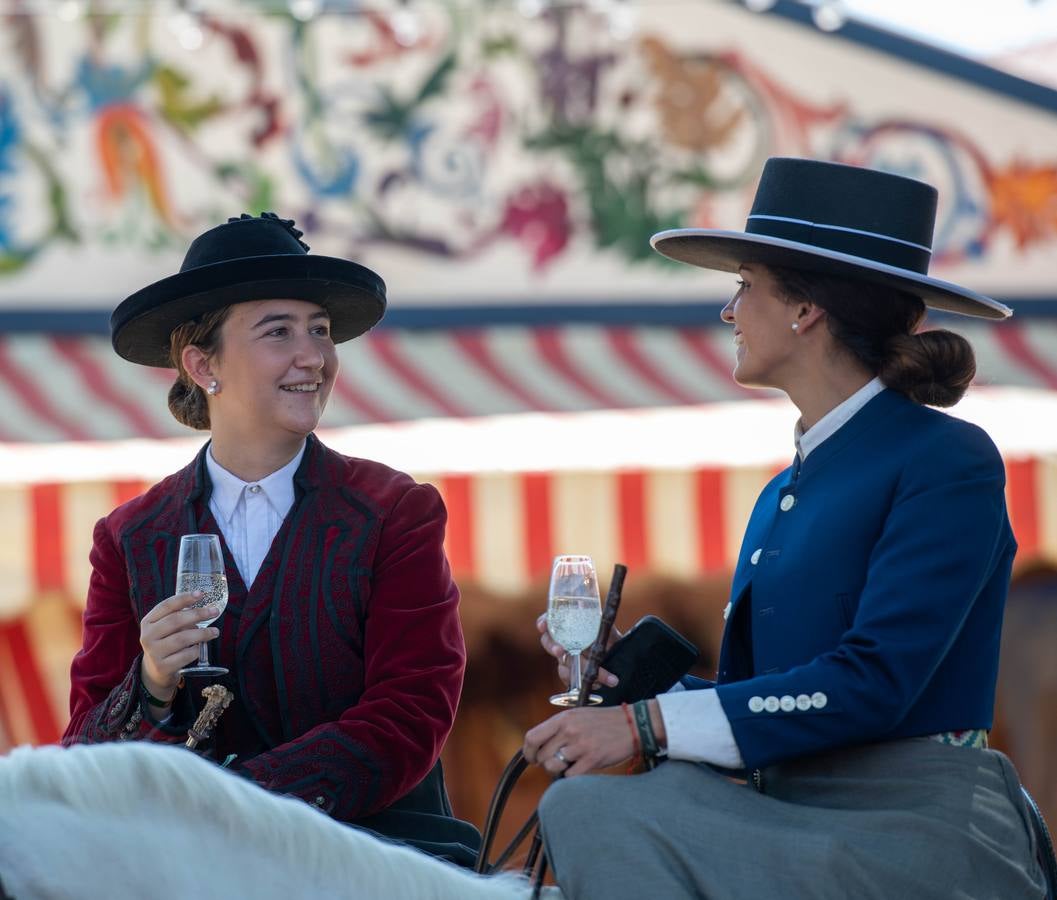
[505, 529]
[63, 388]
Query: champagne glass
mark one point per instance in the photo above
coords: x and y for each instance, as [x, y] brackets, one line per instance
[574, 613]
[200, 567]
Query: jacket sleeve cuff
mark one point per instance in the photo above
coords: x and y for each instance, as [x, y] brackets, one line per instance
[124, 715]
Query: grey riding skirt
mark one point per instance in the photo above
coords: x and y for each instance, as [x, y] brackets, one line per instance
[912, 819]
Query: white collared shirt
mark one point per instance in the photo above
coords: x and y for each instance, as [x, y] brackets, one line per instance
[250, 513]
[696, 726]
[830, 423]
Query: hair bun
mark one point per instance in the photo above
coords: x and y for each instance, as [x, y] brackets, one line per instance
[188, 404]
[930, 367]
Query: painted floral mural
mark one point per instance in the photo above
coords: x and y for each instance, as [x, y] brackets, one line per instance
[482, 130]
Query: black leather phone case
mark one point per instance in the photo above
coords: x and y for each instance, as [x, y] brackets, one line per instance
[648, 660]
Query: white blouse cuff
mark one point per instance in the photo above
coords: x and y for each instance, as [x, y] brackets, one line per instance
[697, 728]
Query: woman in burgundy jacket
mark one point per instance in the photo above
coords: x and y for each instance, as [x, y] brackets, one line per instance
[341, 634]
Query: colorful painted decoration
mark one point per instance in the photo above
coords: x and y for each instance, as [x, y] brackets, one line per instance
[473, 154]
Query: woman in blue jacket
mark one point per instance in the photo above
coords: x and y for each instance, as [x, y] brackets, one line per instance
[856, 678]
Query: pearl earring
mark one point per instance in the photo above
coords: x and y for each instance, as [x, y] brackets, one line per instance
[796, 327]
[213, 388]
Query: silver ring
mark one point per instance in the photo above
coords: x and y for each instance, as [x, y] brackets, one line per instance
[558, 755]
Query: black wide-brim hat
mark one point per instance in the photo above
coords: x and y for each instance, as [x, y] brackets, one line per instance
[247, 258]
[836, 220]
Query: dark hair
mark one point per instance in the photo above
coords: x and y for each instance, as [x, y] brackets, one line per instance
[187, 401]
[878, 325]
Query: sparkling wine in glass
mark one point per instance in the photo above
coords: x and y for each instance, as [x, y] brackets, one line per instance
[574, 613]
[200, 567]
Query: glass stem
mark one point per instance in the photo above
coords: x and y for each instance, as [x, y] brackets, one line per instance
[203, 653]
[574, 673]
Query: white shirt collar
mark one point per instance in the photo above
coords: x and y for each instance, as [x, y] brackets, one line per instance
[278, 488]
[831, 422]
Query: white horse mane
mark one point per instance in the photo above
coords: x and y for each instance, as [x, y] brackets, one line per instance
[138, 820]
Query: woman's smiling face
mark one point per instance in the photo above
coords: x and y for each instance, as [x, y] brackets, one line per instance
[275, 368]
[763, 332]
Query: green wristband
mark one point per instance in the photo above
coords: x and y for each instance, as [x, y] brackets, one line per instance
[648, 740]
[154, 701]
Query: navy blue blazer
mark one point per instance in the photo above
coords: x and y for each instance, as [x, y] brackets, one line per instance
[867, 599]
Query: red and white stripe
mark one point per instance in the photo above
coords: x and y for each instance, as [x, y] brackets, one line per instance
[504, 530]
[65, 388]
[663, 491]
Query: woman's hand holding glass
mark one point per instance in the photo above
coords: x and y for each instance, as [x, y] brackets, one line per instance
[170, 637]
[175, 634]
[556, 650]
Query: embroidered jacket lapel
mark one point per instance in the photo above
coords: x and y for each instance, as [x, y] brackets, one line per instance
[151, 545]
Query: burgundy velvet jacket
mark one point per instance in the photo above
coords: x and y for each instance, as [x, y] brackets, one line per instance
[346, 656]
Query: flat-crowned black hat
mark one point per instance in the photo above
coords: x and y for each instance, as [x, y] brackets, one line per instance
[837, 220]
[248, 258]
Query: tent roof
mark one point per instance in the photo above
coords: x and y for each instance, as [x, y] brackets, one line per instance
[62, 388]
[1021, 421]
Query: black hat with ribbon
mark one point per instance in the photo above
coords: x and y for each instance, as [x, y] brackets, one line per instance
[837, 220]
[247, 258]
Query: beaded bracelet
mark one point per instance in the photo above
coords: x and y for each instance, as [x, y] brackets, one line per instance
[637, 752]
